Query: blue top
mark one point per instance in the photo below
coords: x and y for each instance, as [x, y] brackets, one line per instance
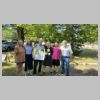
[29, 49]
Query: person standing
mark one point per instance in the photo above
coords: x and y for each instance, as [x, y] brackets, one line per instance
[48, 57]
[19, 57]
[39, 56]
[56, 57]
[66, 54]
[29, 58]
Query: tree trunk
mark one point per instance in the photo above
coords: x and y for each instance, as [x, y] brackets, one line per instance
[72, 38]
[20, 31]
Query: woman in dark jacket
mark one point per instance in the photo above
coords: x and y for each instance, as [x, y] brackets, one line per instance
[48, 57]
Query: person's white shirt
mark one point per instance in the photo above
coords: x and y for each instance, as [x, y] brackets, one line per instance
[39, 52]
[66, 51]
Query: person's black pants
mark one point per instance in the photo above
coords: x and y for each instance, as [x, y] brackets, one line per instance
[36, 62]
[28, 62]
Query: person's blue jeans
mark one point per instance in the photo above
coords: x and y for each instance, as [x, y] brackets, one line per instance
[65, 60]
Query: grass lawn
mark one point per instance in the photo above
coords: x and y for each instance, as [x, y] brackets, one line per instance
[84, 69]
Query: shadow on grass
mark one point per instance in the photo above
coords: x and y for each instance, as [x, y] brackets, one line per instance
[9, 69]
[89, 72]
[9, 72]
[74, 72]
[89, 53]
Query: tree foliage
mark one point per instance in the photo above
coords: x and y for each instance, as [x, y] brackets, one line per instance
[76, 34]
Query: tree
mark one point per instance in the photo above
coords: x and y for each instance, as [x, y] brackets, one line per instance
[76, 34]
[9, 32]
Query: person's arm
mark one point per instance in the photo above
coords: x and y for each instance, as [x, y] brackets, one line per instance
[32, 52]
[60, 53]
[15, 53]
[51, 51]
[16, 50]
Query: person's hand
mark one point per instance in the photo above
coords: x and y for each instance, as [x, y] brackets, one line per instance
[71, 59]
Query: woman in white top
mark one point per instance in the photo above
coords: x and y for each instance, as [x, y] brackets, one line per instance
[66, 53]
[39, 56]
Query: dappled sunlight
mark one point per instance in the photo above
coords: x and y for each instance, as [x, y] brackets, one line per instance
[81, 38]
[83, 72]
[89, 53]
[11, 71]
[79, 70]
[80, 65]
[8, 65]
[86, 67]
[86, 59]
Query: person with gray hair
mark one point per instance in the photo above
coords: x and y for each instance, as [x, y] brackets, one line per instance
[66, 54]
[39, 56]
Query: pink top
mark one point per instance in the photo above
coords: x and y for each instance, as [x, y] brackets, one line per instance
[56, 53]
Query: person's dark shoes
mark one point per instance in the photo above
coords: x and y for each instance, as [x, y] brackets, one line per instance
[34, 75]
[62, 74]
[54, 72]
[67, 75]
[51, 73]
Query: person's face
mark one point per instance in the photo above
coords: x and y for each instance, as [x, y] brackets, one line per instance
[48, 44]
[51, 44]
[56, 44]
[28, 42]
[40, 41]
[21, 43]
[43, 43]
[65, 43]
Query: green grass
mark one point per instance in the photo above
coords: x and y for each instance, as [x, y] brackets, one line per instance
[87, 56]
[11, 71]
[89, 53]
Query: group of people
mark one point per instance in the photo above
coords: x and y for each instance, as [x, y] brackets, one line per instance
[41, 55]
